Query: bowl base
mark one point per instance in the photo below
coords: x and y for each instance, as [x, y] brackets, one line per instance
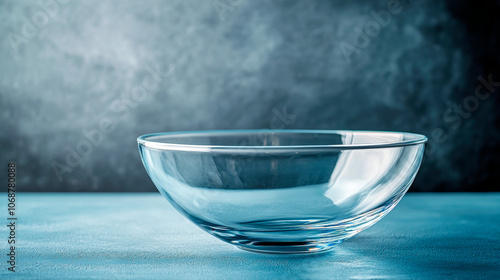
[288, 247]
[296, 236]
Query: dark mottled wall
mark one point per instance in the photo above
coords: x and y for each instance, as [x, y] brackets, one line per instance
[110, 71]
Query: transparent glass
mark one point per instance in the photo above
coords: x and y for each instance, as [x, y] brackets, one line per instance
[283, 191]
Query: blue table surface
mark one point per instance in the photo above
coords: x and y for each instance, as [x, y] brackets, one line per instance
[140, 236]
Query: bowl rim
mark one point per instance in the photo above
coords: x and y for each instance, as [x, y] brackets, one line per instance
[144, 140]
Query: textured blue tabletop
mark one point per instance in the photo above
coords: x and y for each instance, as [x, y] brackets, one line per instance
[140, 236]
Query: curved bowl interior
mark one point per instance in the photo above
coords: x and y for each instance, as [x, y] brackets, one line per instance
[283, 191]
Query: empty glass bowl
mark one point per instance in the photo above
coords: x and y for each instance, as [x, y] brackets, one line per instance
[283, 191]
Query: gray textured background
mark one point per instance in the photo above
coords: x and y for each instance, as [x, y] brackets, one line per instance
[241, 64]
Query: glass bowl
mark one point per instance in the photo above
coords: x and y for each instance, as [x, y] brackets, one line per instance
[283, 191]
